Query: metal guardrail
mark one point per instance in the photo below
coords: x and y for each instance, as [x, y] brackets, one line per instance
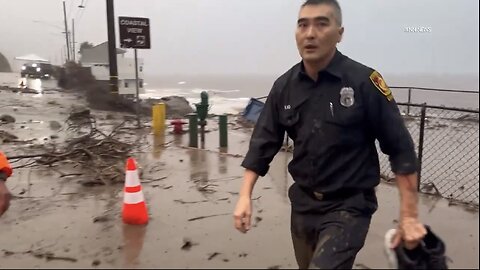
[410, 89]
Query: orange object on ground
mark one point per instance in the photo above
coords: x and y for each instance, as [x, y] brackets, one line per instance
[5, 165]
[134, 207]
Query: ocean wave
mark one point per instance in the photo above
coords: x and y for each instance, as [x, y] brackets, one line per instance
[213, 91]
[219, 103]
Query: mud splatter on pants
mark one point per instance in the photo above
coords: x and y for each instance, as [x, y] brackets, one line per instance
[331, 235]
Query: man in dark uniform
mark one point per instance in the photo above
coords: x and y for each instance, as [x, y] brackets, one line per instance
[333, 109]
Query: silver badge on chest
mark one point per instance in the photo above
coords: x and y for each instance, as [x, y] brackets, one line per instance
[347, 97]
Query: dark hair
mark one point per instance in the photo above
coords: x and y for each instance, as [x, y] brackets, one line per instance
[333, 3]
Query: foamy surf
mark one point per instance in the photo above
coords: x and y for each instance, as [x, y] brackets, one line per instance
[219, 101]
[214, 91]
[220, 105]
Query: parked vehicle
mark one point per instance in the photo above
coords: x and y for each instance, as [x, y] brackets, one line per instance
[37, 70]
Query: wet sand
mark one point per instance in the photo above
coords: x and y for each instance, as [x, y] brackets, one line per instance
[55, 222]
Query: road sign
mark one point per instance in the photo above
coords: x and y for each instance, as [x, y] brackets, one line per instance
[134, 32]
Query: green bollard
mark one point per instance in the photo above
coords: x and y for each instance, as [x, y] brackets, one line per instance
[202, 112]
[204, 98]
[223, 123]
[202, 107]
[193, 129]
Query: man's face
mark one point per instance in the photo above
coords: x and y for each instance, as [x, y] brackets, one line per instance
[317, 32]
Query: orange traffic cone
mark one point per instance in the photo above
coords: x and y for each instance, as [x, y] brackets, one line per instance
[134, 208]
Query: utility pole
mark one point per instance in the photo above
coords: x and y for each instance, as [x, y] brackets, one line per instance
[73, 40]
[112, 50]
[66, 30]
[62, 55]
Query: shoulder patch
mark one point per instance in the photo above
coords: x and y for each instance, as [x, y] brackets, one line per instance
[381, 85]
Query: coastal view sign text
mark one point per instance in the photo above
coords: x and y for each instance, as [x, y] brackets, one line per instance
[134, 32]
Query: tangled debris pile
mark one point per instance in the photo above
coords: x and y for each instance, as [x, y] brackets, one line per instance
[97, 156]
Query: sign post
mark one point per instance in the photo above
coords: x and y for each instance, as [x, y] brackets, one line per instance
[136, 89]
[135, 34]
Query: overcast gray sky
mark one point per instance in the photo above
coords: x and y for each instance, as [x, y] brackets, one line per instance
[256, 36]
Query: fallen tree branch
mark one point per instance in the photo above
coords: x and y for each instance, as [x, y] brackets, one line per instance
[27, 156]
[50, 257]
[24, 165]
[71, 174]
[203, 217]
[190, 202]
[100, 153]
[146, 180]
[211, 151]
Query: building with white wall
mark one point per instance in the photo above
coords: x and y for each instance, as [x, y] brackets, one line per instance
[97, 59]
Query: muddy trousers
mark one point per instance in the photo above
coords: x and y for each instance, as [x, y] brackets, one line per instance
[329, 240]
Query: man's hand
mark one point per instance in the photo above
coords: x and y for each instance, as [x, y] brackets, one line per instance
[5, 197]
[243, 214]
[410, 231]
[243, 211]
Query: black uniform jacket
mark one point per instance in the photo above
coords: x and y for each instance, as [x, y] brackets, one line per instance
[334, 124]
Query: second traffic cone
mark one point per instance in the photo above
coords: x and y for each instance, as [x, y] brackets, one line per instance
[134, 208]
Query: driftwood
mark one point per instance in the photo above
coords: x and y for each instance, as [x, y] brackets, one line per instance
[97, 156]
[209, 216]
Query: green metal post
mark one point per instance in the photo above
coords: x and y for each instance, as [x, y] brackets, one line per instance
[223, 122]
[202, 111]
[204, 98]
[193, 129]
